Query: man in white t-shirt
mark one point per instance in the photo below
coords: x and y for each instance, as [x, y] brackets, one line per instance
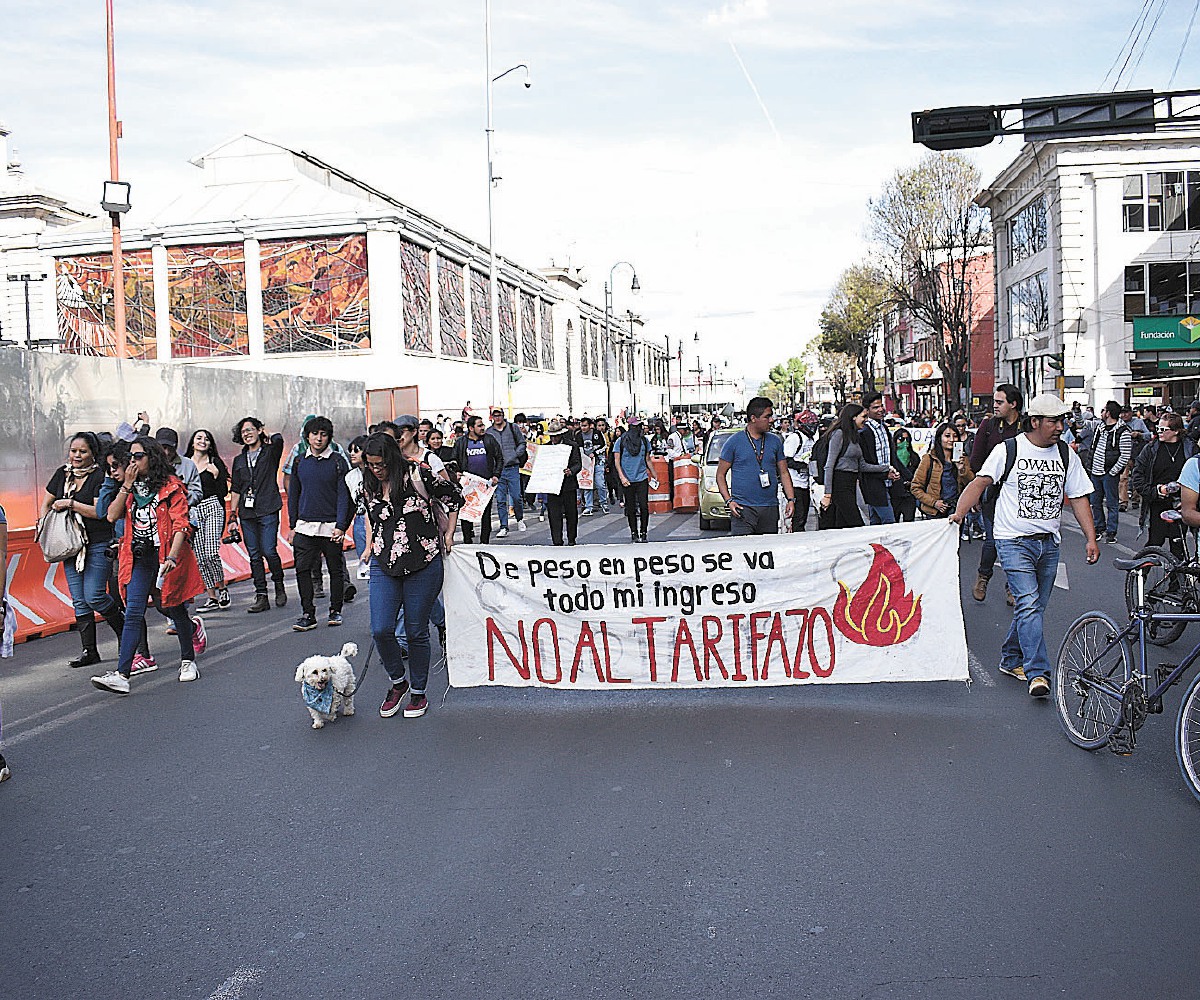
[1026, 528]
[797, 449]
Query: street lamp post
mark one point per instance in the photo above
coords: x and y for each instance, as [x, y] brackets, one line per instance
[608, 291]
[667, 362]
[114, 133]
[493, 287]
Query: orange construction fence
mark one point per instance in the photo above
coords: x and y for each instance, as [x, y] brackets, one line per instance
[38, 592]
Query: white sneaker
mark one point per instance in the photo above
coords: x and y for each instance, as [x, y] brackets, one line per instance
[520, 526]
[113, 681]
[502, 533]
[364, 571]
[187, 671]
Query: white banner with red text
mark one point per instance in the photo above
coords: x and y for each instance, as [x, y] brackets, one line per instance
[859, 605]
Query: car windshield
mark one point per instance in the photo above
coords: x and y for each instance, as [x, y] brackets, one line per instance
[715, 444]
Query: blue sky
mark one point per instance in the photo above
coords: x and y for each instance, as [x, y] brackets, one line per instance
[642, 138]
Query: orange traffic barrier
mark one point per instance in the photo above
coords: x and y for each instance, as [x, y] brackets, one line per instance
[38, 592]
[660, 496]
[687, 485]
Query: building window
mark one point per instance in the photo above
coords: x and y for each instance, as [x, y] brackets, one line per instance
[315, 294]
[1161, 201]
[1027, 231]
[1028, 306]
[1135, 291]
[1168, 289]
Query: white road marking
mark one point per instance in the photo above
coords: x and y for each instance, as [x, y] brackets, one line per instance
[977, 671]
[232, 988]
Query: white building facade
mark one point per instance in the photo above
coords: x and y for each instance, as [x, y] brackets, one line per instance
[280, 262]
[1097, 276]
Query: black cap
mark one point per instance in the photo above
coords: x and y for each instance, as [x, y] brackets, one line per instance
[167, 437]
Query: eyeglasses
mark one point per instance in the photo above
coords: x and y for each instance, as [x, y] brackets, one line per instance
[376, 465]
[137, 455]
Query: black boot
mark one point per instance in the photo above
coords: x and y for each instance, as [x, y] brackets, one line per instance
[116, 621]
[280, 594]
[260, 604]
[87, 634]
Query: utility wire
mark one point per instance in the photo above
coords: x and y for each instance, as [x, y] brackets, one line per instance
[1186, 35]
[1146, 44]
[1128, 38]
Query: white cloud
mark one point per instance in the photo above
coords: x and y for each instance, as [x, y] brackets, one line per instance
[738, 12]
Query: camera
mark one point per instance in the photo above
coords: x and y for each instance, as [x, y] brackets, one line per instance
[232, 536]
[113, 550]
[141, 548]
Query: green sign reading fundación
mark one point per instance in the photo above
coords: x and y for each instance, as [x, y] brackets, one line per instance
[1166, 333]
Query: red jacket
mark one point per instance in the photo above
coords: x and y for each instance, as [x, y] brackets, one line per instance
[184, 581]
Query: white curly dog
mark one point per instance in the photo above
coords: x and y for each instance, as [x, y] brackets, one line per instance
[327, 685]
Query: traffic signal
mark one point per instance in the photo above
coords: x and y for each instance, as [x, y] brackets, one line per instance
[1056, 361]
[514, 374]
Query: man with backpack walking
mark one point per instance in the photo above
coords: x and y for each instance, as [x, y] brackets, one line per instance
[1032, 472]
[1111, 455]
[508, 490]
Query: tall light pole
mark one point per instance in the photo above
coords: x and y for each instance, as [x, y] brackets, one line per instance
[667, 361]
[493, 286]
[633, 287]
[114, 133]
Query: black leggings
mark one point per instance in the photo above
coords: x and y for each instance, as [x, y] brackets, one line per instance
[637, 506]
[560, 507]
[845, 501]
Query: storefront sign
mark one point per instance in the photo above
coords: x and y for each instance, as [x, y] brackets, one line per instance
[1143, 391]
[852, 606]
[1166, 333]
[918, 371]
[1186, 366]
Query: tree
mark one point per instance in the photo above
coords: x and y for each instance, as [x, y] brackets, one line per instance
[785, 381]
[929, 232]
[852, 320]
[840, 368]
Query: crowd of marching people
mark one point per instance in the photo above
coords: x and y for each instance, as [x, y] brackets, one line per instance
[150, 517]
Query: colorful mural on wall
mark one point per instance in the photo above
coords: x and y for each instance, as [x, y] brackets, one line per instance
[208, 300]
[547, 335]
[315, 294]
[452, 312]
[508, 325]
[481, 316]
[529, 347]
[84, 285]
[418, 319]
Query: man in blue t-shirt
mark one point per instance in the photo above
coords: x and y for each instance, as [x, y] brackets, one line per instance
[759, 468]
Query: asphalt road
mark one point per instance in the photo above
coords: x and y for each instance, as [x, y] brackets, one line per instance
[843, 841]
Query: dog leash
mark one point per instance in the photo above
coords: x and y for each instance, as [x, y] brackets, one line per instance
[359, 679]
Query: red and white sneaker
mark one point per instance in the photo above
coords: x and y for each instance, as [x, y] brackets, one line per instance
[199, 635]
[143, 664]
[416, 706]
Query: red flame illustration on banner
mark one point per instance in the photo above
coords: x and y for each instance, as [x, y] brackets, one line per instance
[879, 613]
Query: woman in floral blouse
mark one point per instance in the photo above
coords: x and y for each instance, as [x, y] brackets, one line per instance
[406, 547]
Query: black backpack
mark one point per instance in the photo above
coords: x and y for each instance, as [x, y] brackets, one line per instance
[820, 453]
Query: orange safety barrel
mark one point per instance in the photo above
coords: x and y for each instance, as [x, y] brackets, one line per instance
[687, 485]
[660, 497]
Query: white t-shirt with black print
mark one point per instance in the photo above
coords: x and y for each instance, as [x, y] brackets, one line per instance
[1031, 499]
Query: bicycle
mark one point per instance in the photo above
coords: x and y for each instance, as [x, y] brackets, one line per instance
[1170, 588]
[1102, 697]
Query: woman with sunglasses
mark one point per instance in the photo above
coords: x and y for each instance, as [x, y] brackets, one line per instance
[155, 559]
[210, 512]
[406, 544]
[75, 487]
[1156, 475]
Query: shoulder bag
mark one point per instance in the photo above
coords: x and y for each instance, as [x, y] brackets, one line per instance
[439, 512]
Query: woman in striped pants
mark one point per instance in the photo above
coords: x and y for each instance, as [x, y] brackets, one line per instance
[210, 514]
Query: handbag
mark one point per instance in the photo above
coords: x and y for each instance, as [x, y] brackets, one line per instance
[439, 512]
[61, 537]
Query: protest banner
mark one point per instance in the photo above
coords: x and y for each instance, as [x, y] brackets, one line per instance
[531, 450]
[547, 475]
[879, 603]
[477, 494]
[922, 438]
[586, 480]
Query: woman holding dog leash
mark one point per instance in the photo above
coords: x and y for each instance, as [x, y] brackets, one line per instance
[155, 558]
[406, 540]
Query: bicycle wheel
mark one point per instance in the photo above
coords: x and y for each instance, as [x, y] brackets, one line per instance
[1094, 662]
[1166, 593]
[1187, 737]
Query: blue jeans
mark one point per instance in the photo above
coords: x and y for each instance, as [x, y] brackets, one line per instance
[437, 618]
[89, 588]
[137, 594]
[415, 594]
[598, 495]
[509, 489]
[359, 530]
[261, 535]
[1030, 565]
[1107, 491]
[987, 558]
[882, 515]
